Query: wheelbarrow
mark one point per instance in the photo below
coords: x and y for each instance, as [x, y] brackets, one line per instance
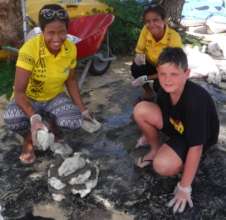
[90, 32]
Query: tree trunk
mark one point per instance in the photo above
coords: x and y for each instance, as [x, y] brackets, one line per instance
[173, 9]
[11, 31]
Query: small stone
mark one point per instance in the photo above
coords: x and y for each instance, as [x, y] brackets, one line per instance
[56, 183]
[80, 179]
[89, 185]
[81, 192]
[58, 197]
[71, 165]
[63, 149]
[36, 176]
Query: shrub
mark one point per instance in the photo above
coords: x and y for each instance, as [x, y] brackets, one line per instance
[7, 73]
[125, 30]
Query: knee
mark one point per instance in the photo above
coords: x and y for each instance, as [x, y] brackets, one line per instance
[15, 120]
[140, 111]
[148, 112]
[165, 168]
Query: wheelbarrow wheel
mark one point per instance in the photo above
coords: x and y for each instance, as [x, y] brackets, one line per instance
[99, 67]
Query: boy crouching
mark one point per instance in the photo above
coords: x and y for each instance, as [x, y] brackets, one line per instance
[186, 113]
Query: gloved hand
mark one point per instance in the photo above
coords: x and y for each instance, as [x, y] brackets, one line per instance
[36, 124]
[140, 81]
[139, 59]
[86, 115]
[41, 137]
[182, 196]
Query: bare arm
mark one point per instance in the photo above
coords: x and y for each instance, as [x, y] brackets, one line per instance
[191, 165]
[73, 90]
[20, 85]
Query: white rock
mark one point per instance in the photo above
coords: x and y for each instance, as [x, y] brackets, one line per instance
[63, 149]
[58, 197]
[216, 24]
[217, 48]
[71, 165]
[91, 126]
[45, 139]
[214, 50]
[90, 184]
[80, 179]
[202, 65]
[81, 192]
[56, 183]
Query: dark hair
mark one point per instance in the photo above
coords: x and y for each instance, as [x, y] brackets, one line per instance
[154, 7]
[174, 55]
[44, 21]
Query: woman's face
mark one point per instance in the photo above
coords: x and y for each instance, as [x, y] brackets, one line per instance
[155, 24]
[55, 34]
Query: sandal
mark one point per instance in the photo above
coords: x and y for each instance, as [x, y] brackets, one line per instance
[142, 141]
[28, 160]
[141, 163]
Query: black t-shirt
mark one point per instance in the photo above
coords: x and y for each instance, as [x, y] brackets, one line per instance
[194, 117]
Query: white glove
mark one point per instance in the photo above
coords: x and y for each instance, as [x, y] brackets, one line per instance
[36, 124]
[182, 196]
[140, 59]
[41, 137]
[89, 123]
[86, 115]
[140, 81]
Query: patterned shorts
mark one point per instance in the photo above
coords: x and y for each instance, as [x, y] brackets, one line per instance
[66, 114]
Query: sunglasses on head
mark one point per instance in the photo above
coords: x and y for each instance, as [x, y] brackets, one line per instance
[49, 14]
[150, 5]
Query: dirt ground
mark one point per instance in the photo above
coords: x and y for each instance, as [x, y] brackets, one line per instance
[123, 191]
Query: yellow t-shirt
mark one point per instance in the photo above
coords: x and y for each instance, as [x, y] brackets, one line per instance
[48, 72]
[147, 44]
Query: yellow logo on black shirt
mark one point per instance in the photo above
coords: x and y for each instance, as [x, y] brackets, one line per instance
[178, 125]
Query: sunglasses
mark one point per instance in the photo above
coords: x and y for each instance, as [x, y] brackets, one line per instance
[150, 5]
[49, 14]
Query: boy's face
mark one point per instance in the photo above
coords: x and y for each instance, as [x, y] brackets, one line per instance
[172, 78]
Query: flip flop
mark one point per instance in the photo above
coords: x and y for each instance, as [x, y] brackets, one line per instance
[29, 161]
[142, 141]
[141, 163]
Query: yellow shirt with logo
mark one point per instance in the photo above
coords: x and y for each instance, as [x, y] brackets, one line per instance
[48, 72]
[147, 44]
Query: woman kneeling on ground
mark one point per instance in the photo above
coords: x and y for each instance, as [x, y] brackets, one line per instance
[45, 66]
[154, 37]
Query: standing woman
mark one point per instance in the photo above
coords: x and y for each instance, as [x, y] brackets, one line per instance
[45, 66]
[154, 37]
